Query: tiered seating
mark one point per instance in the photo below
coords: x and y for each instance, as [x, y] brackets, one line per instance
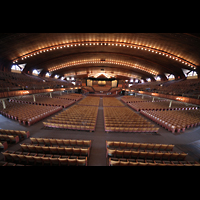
[111, 101]
[27, 113]
[44, 100]
[46, 151]
[17, 81]
[145, 154]
[175, 120]
[76, 117]
[61, 142]
[189, 87]
[160, 105]
[90, 101]
[138, 146]
[123, 119]
[73, 96]
[133, 99]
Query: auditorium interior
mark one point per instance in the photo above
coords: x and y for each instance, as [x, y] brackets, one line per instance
[99, 99]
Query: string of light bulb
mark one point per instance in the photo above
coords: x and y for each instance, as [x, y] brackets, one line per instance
[107, 61]
[106, 43]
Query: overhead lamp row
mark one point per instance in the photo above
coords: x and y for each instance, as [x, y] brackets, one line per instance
[103, 43]
[109, 61]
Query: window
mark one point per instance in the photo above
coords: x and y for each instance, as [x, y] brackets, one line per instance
[192, 73]
[47, 74]
[148, 80]
[157, 78]
[16, 68]
[35, 72]
[171, 76]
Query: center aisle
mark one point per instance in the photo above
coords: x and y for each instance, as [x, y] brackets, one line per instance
[98, 151]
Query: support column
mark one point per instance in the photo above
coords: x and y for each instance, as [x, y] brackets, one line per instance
[50, 94]
[153, 99]
[4, 104]
[170, 104]
[33, 98]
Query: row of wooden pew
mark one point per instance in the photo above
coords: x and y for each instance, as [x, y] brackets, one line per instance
[143, 162]
[119, 153]
[26, 158]
[11, 136]
[50, 151]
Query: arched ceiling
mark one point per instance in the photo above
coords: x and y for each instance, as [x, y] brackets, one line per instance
[141, 54]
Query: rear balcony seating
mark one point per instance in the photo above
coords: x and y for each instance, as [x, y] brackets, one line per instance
[26, 158]
[176, 120]
[123, 119]
[143, 162]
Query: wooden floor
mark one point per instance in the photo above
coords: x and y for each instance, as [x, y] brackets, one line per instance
[188, 142]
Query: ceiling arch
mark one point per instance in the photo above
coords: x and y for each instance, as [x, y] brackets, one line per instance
[160, 52]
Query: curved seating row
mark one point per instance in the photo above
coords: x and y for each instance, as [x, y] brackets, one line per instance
[44, 159]
[145, 154]
[134, 145]
[61, 142]
[139, 162]
[85, 151]
[69, 126]
[20, 134]
[141, 129]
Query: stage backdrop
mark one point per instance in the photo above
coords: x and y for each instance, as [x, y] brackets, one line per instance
[114, 83]
[89, 82]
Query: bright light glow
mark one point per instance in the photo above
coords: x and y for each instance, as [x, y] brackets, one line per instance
[16, 67]
[47, 74]
[35, 72]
